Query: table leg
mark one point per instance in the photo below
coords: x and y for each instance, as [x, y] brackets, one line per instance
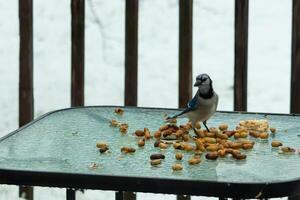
[129, 196]
[70, 194]
[26, 192]
[183, 197]
[125, 195]
[119, 195]
[294, 198]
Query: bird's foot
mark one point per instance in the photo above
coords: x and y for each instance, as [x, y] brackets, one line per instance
[199, 133]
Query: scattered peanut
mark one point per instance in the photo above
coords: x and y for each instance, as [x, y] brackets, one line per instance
[155, 162]
[157, 134]
[114, 123]
[212, 147]
[119, 111]
[163, 145]
[141, 143]
[127, 150]
[157, 156]
[147, 133]
[222, 153]
[276, 143]
[139, 133]
[247, 146]
[223, 127]
[188, 147]
[222, 136]
[211, 155]
[177, 145]
[101, 145]
[210, 140]
[164, 127]
[287, 150]
[177, 167]
[179, 156]
[156, 143]
[264, 135]
[199, 145]
[254, 134]
[239, 156]
[194, 161]
[235, 145]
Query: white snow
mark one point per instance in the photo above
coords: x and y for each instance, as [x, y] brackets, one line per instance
[269, 60]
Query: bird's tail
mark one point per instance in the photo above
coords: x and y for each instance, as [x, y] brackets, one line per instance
[175, 116]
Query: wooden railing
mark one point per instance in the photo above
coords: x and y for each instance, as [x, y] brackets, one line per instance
[26, 105]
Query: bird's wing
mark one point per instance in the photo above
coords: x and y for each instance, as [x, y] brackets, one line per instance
[193, 104]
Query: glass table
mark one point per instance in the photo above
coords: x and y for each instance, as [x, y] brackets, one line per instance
[59, 149]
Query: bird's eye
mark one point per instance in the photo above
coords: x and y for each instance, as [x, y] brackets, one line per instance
[204, 78]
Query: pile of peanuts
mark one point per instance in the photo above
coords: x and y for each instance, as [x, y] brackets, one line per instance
[218, 142]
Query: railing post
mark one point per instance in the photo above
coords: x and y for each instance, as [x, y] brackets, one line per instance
[295, 72]
[77, 60]
[26, 105]
[131, 65]
[185, 58]
[185, 51]
[241, 54]
[131, 52]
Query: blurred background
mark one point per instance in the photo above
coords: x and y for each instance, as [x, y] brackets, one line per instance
[269, 57]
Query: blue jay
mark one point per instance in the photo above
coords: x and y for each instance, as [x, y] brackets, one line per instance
[204, 103]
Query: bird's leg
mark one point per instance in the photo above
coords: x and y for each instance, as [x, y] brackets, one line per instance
[204, 123]
[195, 131]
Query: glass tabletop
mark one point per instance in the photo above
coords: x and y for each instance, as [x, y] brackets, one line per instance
[65, 141]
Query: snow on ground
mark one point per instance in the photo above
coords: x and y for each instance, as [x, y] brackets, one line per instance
[269, 60]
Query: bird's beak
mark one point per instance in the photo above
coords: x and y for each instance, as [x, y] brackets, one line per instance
[197, 83]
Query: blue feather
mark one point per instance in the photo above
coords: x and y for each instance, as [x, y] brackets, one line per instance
[193, 104]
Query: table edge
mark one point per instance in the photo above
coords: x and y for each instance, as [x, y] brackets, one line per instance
[115, 106]
[148, 184]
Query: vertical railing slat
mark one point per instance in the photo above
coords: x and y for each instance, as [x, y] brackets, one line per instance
[185, 58]
[131, 65]
[26, 106]
[77, 60]
[295, 72]
[185, 51]
[241, 54]
[131, 52]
